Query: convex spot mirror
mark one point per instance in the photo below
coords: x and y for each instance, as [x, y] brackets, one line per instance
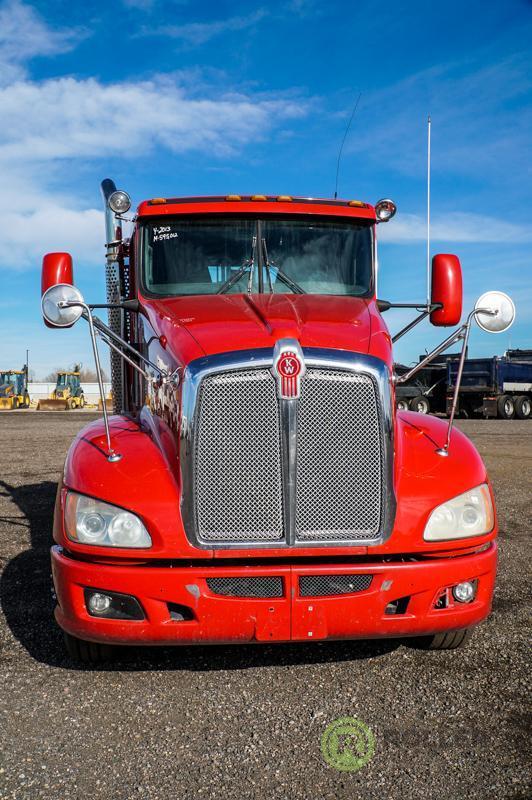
[446, 290]
[494, 312]
[54, 310]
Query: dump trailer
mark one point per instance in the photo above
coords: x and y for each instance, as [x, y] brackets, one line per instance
[256, 482]
[426, 392]
[14, 389]
[67, 394]
[500, 386]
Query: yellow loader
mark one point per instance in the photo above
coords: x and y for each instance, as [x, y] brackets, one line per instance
[14, 389]
[66, 395]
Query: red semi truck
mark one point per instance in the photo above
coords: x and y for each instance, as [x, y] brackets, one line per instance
[255, 482]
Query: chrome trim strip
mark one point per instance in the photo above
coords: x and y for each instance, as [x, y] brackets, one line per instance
[198, 369]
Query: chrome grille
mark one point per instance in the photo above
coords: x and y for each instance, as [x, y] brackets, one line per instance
[238, 484]
[260, 586]
[339, 457]
[328, 585]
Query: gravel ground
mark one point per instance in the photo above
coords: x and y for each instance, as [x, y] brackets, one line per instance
[246, 722]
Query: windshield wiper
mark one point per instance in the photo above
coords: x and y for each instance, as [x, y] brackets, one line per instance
[279, 273]
[249, 264]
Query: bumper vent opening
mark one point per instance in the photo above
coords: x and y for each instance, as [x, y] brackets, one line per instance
[180, 613]
[329, 585]
[260, 586]
[398, 606]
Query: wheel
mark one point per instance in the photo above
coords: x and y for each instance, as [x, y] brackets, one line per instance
[82, 401]
[420, 404]
[15, 402]
[448, 640]
[506, 406]
[402, 405]
[523, 407]
[88, 652]
[26, 401]
[71, 403]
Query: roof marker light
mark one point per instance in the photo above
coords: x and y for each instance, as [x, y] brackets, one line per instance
[233, 197]
[157, 201]
[356, 203]
[259, 197]
[284, 198]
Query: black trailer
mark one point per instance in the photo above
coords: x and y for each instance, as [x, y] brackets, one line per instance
[500, 386]
[426, 392]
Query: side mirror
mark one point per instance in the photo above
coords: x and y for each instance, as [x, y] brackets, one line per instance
[56, 305]
[56, 268]
[494, 312]
[446, 289]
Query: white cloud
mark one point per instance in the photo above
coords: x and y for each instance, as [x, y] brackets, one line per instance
[453, 227]
[64, 121]
[198, 33]
[70, 118]
[24, 35]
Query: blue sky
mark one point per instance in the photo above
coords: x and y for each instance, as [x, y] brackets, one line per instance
[172, 97]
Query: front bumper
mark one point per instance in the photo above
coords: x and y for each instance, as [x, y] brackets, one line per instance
[292, 617]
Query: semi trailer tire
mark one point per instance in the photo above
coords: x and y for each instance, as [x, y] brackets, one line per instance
[402, 405]
[88, 652]
[523, 407]
[506, 406]
[420, 404]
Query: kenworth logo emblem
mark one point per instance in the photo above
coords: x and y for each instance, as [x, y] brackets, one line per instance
[288, 368]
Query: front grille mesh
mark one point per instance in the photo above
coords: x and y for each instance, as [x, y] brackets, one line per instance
[238, 458]
[327, 585]
[339, 458]
[267, 586]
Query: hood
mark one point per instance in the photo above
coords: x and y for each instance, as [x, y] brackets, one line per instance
[198, 326]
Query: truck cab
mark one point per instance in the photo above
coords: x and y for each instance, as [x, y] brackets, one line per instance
[260, 485]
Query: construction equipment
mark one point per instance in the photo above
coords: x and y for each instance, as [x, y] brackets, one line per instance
[108, 402]
[67, 394]
[14, 388]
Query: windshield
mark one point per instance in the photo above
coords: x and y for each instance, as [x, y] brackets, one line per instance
[226, 254]
[7, 377]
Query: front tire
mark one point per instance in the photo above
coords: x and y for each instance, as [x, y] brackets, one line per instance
[506, 406]
[88, 652]
[82, 401]
[447, 640]
[523, 407]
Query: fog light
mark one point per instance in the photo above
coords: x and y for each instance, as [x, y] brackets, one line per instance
[112, 605]
[99, 603]
[464, 592]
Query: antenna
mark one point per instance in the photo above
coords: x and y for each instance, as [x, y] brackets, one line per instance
[428, 210]
[343, 142]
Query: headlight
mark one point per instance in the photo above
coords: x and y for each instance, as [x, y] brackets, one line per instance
[469, 514]
[90, 521]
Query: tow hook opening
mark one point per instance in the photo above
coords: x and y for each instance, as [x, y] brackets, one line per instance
[112, 605]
